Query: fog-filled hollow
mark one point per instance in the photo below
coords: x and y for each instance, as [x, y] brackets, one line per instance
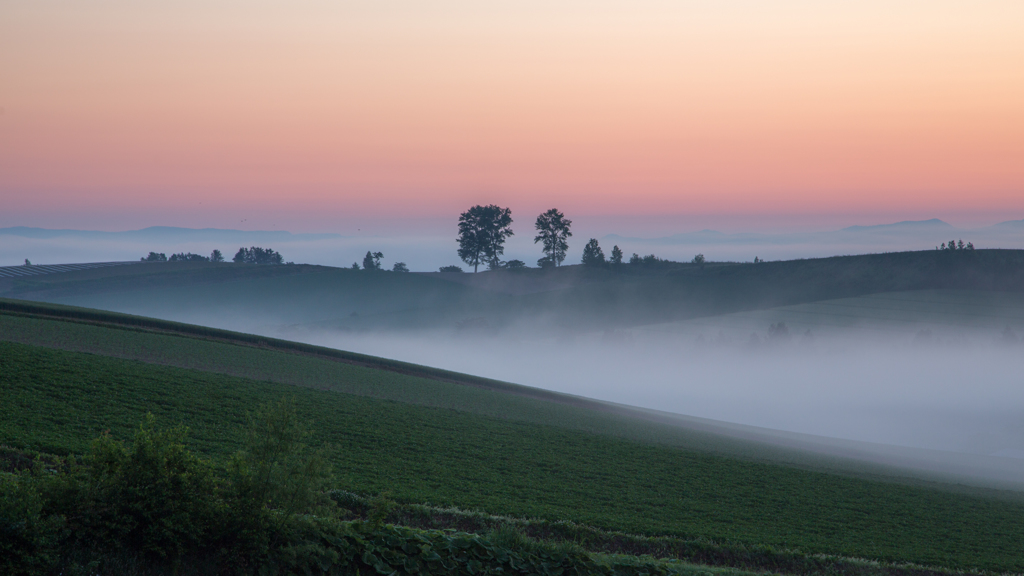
[960, 392]
[920, 350]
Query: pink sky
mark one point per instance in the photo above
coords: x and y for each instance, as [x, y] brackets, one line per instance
[317, 115]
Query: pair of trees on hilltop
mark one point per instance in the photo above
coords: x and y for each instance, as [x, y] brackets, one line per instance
[484, 229]
[593, 255]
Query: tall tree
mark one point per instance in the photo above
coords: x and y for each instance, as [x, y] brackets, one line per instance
[372, 260]
[553, 231]
[592, 254]
[616, 255]
[482, 234]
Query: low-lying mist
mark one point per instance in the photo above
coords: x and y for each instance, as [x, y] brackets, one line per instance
[954, 391]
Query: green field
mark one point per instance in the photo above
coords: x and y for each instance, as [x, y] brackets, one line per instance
[431, 438]
[285, 362]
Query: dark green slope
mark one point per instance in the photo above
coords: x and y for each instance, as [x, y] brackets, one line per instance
[252, 356]
[55, 400]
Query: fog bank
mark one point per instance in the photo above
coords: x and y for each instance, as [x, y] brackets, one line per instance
[964, 394]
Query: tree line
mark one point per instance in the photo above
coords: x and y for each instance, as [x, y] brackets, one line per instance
[252, 255]
[482, 232]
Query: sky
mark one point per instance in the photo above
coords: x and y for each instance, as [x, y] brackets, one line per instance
[395, 115]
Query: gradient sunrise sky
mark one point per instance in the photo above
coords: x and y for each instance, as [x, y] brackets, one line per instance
[316, 116]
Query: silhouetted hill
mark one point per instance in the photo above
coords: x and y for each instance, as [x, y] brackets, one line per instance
[567, 298]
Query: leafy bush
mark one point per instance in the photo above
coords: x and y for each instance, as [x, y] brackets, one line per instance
[152, 507]
[650, 261]
[28, 537]
[189, 257]
[257, 255]
[155, 257]
[153, 498]
[778, 332]
[277, 470]
[452, 268]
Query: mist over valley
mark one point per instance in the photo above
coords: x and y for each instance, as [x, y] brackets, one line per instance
[919, 350]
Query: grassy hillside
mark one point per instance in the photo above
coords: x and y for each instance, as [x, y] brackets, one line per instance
[516, 460]
[286, 362]
[569, 298]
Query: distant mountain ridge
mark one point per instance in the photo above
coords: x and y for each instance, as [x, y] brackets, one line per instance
[933, 229]
[1009, 224]
[169, 233]
[934, 223]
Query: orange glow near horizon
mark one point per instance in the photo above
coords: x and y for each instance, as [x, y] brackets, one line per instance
[602, 108]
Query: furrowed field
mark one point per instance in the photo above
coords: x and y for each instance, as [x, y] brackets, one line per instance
[56, 401]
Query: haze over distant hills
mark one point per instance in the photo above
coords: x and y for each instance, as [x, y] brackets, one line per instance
[162, 233]
[898, 236]
[429, 250]
[926, 228]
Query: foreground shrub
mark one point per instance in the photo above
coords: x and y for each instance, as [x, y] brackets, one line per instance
[151, 507]
[152, 499]
[28, 537]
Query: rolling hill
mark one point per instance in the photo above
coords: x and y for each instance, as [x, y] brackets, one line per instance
[569, 299]
[430, 436]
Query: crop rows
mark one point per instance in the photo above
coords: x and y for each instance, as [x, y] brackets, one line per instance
[55, 401]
